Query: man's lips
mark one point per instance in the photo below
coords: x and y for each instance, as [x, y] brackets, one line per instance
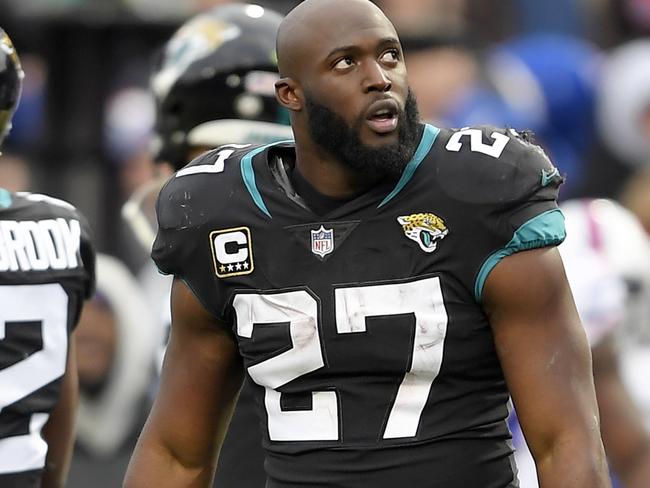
[382, 116]
[383, 125]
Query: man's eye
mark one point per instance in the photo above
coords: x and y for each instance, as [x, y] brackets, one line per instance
[390, 56]
[344, 63]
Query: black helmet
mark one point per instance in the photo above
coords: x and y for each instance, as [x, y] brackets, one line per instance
[11, 82]
[215, 75]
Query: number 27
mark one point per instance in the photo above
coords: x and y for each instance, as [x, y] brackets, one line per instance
[422, 298]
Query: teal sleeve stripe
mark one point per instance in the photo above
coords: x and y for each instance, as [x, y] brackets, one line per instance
[545, 229]
[248, 175]
[428, 138]
[5, 198]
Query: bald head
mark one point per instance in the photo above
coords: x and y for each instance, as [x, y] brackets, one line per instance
[314, 22]
[344, 81]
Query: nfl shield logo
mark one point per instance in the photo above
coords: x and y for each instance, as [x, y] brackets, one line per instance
[322, 241]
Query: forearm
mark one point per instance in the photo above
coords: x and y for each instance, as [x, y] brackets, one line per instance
[200, 379]
[573, 464]
[154, 465]
[59, 432]
[172, 453]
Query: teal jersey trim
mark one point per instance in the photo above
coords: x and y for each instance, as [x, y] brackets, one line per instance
[248, 175]
[5, 198]
[545, 229]
[428, 138]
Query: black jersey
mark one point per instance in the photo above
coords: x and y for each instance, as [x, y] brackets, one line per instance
[46, 271]
[363, 330]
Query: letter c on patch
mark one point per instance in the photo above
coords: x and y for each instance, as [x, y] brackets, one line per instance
[223, 256]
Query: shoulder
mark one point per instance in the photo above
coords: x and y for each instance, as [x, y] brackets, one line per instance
[39, 206]
[51, 223]
[28, 206]
[213, 162]
[195, 193]
[491, 165]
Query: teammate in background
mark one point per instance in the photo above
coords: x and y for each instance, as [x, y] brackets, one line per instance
[214, 84]
[603, 294]
[46, 271]
[386, 285]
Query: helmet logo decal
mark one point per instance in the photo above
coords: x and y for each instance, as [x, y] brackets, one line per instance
[193, 41]
[7, 46]
[425, 229]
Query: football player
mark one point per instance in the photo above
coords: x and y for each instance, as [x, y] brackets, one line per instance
[214, 84]
[46, 271]
[385, 284]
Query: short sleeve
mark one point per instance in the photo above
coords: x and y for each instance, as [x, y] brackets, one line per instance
[188, 208]
[507, 189]
[528, 217]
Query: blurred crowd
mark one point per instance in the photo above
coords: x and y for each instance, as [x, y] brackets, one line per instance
[574, 72]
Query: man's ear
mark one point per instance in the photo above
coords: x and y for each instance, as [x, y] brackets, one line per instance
[287, 94]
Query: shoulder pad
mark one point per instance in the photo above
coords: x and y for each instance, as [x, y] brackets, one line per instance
[53, 205]
[490, 165]
[185, 199]
[175, 207]
[36, 206]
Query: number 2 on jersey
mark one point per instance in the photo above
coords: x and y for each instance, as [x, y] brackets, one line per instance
[47, 306]
[476, 143]
[353, 305]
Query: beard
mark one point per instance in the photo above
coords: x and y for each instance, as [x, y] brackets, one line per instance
[330, 131]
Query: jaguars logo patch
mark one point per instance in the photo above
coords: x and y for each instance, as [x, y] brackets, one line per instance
[424, 228]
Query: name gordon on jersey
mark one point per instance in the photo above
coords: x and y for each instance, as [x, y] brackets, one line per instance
[39, 245]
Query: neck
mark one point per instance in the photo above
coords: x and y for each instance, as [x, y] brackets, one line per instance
[327, 175]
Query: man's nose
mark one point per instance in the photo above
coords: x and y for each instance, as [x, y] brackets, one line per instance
[376, 78]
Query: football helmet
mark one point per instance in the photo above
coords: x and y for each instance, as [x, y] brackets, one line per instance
[11, 81]
[215, 76]
[214, 84]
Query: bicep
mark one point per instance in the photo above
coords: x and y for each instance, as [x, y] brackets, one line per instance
[200, 378]
[542, 347]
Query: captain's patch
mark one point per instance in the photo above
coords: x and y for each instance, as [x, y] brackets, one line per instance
[232, 252]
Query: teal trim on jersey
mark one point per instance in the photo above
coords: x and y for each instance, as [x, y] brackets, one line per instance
[428, 138]
[248, 175]
[5, 198]
[545, 229]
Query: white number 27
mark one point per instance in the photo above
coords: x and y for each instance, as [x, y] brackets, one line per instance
[422, 298]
